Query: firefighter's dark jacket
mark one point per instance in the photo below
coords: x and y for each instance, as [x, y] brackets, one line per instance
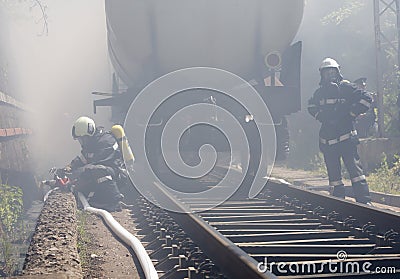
[336, 105]
[99, 149]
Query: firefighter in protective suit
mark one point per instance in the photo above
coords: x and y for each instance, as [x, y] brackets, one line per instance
[97, 167]
[336, 104]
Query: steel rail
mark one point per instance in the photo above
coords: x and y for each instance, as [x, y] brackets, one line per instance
[383, 220]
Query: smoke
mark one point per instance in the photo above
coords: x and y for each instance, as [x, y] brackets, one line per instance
[343, 30]
[57, 72]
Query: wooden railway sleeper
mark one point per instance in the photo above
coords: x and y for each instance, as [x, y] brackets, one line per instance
[150, 220]
[184, 251]
[149, 237]
[178, 273]
[179, 235]
[196, 256]
[306, 207]
[367, 230]
[169, 257]
[156, 242]
[294, 202]
[176, 250]
[161, 251]
[163, 222]
[198, 260]
[349, 222]
[318, 210]
[392, 237]
[188, 246]
[333, 216]
[145, 228]
[209, 268]
[166, 264]
[177, 264]
[171, 226]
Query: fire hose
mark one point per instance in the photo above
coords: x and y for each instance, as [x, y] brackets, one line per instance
[144, 259]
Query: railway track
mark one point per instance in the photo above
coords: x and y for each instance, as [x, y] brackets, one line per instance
[286, 232]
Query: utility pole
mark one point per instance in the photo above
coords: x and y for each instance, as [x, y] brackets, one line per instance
[381, 9]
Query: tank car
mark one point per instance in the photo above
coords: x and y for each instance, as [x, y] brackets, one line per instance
[252, 39]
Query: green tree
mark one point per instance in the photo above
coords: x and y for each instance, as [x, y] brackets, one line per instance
[344, 11]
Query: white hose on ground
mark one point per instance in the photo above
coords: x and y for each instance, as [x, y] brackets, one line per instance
[144, 259]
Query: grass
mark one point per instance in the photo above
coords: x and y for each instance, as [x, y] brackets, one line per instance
[83, 238]
[319, 167]
[8, 255]
[386, 178]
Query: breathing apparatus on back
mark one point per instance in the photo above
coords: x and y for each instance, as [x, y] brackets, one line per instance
[123, 143]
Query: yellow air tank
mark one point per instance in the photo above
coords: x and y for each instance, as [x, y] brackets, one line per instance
[123, 143]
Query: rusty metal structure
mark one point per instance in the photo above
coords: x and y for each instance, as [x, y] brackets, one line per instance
[383, 40]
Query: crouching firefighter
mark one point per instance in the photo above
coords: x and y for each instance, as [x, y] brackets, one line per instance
[336, 104]
[99, 165]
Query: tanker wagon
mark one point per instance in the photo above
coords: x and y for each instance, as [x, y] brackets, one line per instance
[252, 39]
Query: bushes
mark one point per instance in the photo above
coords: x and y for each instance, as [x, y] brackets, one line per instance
[11, 226]
[385, 179]
[11, 206]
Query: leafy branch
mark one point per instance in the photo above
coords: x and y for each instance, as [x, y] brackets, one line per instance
[349, 8]
[12, 6]
[44, 18]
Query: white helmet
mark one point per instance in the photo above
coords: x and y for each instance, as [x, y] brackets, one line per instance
[84, 126]
[329, 63]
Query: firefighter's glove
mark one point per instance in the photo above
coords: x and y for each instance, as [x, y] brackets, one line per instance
[76, 173]
[68, 169]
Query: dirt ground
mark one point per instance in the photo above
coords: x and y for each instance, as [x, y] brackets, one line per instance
[105, 256]
[70, 243]
[53, 245]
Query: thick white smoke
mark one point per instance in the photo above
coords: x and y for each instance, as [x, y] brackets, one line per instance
[57, 72]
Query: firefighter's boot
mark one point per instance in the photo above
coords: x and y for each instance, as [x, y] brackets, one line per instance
[338, 191]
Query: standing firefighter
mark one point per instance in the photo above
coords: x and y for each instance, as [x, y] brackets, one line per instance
[97, 167]
[336, 104]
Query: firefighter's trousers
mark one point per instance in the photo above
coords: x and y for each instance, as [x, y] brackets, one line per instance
[98, 183]
[346, 150]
